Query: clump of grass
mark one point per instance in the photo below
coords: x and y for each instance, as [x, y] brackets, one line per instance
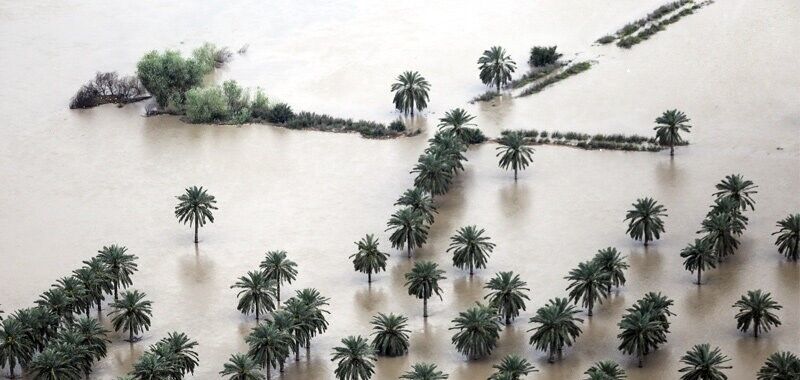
[628, 36]
[607, 39]
[485, 97]
[573, 69]
[536, 74]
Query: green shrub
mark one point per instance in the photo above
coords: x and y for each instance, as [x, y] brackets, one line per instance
[209, 57]
[167, 76]
[473, 136]
[543, 56]
[486, 96]
[237, 97]
[397, 126]
[206, 104]
[607, 39]
[260, 105]
[280, 113]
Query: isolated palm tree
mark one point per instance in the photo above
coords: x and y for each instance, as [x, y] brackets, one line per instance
[605, 370]
[408, 229]
[470, 248]
[507, 294]
[54, 364]
[194, 207]
[454, 121]
[613, 263]
[589, 284]
[269, 345]
[424, 371]
[369, 259]
[788, 240]
[277, 267]
[15, 345]
[755, 308]
[780, 366]
[496, 67]
[557, 327]
[720, 231]
[131, 312]
[420, 201]
[703, 363]
[641, 332]
[241, 367]
[355, 359]
[513, 152]
[669, 127]
[699, 256]
[410, 92]
[645, 220]
[477, 331]
[256, 294]
[390, 334]
[434, 173]
[740, 190]
[423, 282]
[121, 265]
[512, 367]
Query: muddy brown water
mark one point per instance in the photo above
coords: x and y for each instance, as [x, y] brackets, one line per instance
[76, 180]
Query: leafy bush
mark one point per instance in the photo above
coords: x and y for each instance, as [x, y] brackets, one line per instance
[607, 39]
[397, 126]
[210, 57]
[280, 113]
[237, 97]
[206, 104]
[260, 105]
[473, 136]
[167, 76]
[543, 56]
[486, 96]
[108, 88]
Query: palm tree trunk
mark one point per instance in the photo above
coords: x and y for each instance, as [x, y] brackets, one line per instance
[515, 174]
[552, 357]
[425, 308]
[297, 351]
[590, 309]
[508, 319]
[560, 353]
[130, 335]
[268, 366]
[470, 269]
[640, 360]
[195, 231]
[671, 150]
[257, 309]
[116, 286]
[755, 329]
[280, 365]
[645, 239]
[99, 306]
[369, 277]
[698, 276]
[278, 293]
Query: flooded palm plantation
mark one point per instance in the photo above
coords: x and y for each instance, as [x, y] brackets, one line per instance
[76, 180]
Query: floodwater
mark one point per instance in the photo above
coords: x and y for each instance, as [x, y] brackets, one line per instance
[76, 180]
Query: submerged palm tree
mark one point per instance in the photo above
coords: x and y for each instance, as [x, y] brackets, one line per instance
[434, 173]
[612, 263]
[241, 367]
[369, 259]
[496, 67]
[55, 364]
[423, 282]
[454, 122]
[507, 294]
[703, 363]
[97, 279]
[642, 332]
[478, 331]
[730, 207]
[780, 366]
[788, 240]
[121, 266]
[410, 92]
[424, 371]
[408, 229]
[589, 284]
[448, 151]
[420, 201]
[699, 256]
[269, 345]
[179, 349]
[277, 267]
[645, 220]
[558, 327]
[738, 189]
[605, 370]
[15, 345]
[470, 248]
[92, 336]
[720, 231]
[355, 359]
[194, 207]
[513, 152]
[151, 365]
[390, 334]
[670, 124]
[755, 308]
[512, 367]
[131, 312]
[256, 295]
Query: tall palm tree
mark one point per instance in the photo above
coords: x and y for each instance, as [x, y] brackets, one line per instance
[741, 190]
[303, 320]
[57, 302]
[152, 366]
[369, 259]
[589, 284]
[669, 127]
[605, 370]
[420, 201]
[131, 312]
[316, 319]
[780, 366]
[434, 173]
[277, 267]
[755, 308]
[454, 122]
[496, 67]
[645, 220]
[788, 240]
[241, 367]
[424, 371]
[720, 231]
[408, 229]
[513, 152]
[256, 293]
[478, 331]
[285, 321]
[93, 336]
[703, 363]
[390, 334]
[470, 248]
[98, 280]
[269, 345]
[641, 332]
[15, 346]
[513, 367]
[558, 327]
[194, 207]
[699, 256]
[613, 263]
[410, 92]
[355, 359]
[121, 265]
[507, 294]
[54, 364]
[423, 282]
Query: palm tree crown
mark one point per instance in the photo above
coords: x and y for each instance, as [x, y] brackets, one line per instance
[613, 263]
[356, 359]
[120, 264]
[670, 124]
[703, 363]
[589, 284]
[478, 331]
[269, 345]
[645, 326]
[645, 220]
[420, 201]
[131, 312]
[424, 371]
[15, 346]
[423, 282]
[788, 240]
[605, 370]
[369, 259]
[720, 230]
[740, 190]
[408, 229]
[256, 294]
[410, 92]
[454, 122]
[434, 173]
[279, 268]
[496, 67]
[558, 327]
[699, 256]
[470, 248]
[55, 364]
[513, 367]
[507, 294]
[513, 152]
[241, 367]
[194, 207]
[780, 366]
[390, 334]
[755, 308]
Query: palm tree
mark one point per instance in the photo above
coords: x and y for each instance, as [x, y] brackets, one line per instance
[699, 256]
[410, 92]
[645, 220]
[54, 364]
[423, 282]
[121, 265]
[730, 207]
[93, 336]
[285, 321]
[57, 302]
[449, 150]
[788, 241]
[703, 363]
[641, 333]
[606, 370]
[513, 152]
[657, 305]
[277, 267]
[408, 229]
[612, 263]
[454, 122]
[558, 327]
[269, 345]
[513, 367]
[256, 294]
[369, 259]
[470, 248]
[740, 190]
[496, 67]
[478, 331]
[80, 356]
[424, 371]
[390, 334]
[194, 207]
[355, 359]
[669, 126]
[589, 284]
[15, 346]
[720, 230]
[299, 319]
[131, 312]
[780, 366]
[98, 280]
[241, 367]
[420, 201]
[507, 294]
[38, 324]
[756, 308]
[151, 366]
[180, 350]
[74, 290]
[434, 173]
[316, 320]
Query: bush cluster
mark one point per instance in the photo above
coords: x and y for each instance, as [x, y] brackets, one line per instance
[226, 103]
[210, 57]
[597, 141]
[168, 76]
[108, 88]
[543, 56]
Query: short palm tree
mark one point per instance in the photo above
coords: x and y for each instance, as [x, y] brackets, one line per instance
[286, 322]
[780, 366]
[470, 248]
[657, 305]
[299, 319]
[703, 363]
[669, 127]
[513, 152]
[15, 346]
[449, 150]
[420, 201]
[788, 240]
[269, 345]
[513, 367]
[454, 122]
[277, 267]
[241, 367]
[410, 92]
[74, 290]
[194, 207]
[256, 294]
[605, 370]
[613, 263]
[98, 280]
[507, 294]
[390, 334]
[641, 332]
[355, 359]
[589, 284]
[699, 256]
[131, 312]
[121, 266]
[557, 327]
[740, 190]
[496, 67]
[434, 173]
[369, 259]
[423, 282]
[477, 331]
[755, 308]
[644, 220]
[54, 364]
[408, 229]
[720, 230]
[424, 371]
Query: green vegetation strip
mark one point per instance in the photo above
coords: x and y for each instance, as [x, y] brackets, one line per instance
[573, 69]
[633, 143]
[646, 33]
[633, 27]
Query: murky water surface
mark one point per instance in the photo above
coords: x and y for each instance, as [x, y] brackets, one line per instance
[76, 180]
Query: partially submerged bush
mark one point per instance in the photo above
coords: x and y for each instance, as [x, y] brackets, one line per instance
[573, 69]
[167, 76]
[280, 113]
[108, 87]
[206, 104]
[260, 106]
[473, 135]
[543, 56]
[310, 120]
[486, 96]
[607, 39]
[397, 126]
[210, 57]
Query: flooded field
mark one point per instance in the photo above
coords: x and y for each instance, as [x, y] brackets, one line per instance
[77, 180]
